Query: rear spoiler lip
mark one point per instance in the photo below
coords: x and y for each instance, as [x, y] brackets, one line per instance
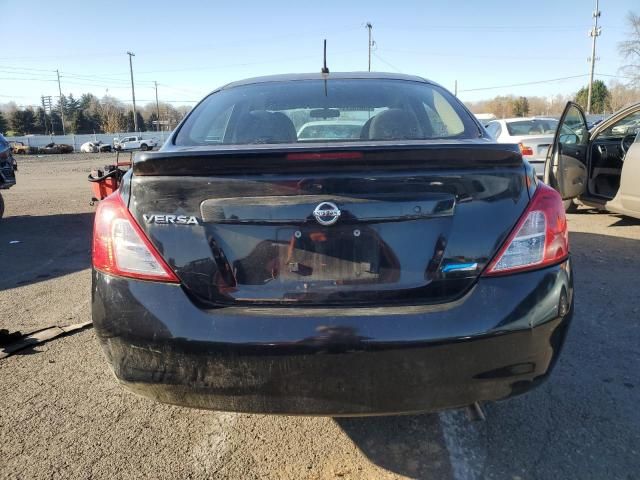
[252, 159]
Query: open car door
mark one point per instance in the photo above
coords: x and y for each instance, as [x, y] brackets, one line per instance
[627, 199]
[566, 165]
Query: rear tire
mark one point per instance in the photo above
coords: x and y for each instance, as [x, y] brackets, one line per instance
[144, 147]
[570, 206]
[1, 207]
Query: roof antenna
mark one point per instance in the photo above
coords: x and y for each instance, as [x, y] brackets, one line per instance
[325, 69]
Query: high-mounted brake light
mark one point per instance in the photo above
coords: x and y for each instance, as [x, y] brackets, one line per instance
[525, 149]
[121, 248]
[540, 238]
[324, 156]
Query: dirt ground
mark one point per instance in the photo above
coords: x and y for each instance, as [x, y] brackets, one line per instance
[62, 414]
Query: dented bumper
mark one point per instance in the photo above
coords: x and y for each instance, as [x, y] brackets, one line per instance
[500, 339]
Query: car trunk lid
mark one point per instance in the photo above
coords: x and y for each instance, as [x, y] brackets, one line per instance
[347, 225]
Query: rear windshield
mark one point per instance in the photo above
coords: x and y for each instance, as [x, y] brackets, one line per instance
[532, 127]
[340, 110]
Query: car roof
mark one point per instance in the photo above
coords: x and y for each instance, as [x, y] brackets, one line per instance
[330, 76]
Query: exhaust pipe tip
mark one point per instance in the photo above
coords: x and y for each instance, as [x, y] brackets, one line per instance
[476, 413]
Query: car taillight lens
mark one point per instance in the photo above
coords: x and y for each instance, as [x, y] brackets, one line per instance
[120, 247]
[525, 149]
[540, 238]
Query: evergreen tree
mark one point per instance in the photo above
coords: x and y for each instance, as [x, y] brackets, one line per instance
[41, 122]
[80, 123]
[141, 125]
[22, 121]
[71, 106]
[600, 97]
[129, 125]
[150, 121]
[521, 107]
[3, 124]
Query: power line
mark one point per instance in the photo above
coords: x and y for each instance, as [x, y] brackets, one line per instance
[522, 57]
[28, 79]
[386, 62]
[180, 48]
[551, 80]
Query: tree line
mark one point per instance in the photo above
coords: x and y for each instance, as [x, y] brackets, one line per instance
[604, 100]
[87, 114]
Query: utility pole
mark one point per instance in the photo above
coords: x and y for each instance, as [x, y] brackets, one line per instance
[157, 107]
[593, 33]
[369, 27]
[133, 92]
[455, 88]
[47, 106]
[64, 132]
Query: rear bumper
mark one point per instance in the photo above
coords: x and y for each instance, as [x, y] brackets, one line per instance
[501, 339]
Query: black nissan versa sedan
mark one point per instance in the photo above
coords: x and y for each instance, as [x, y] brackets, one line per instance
[410, 265]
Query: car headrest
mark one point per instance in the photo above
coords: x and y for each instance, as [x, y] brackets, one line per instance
[394, 124]
[364, 133]
[261, 126]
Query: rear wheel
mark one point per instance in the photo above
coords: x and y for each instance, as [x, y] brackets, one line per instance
[144, 147]
[1, 206]
[570, 206]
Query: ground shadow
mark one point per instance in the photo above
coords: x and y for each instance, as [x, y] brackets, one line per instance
[624, 221]
[583, 422]
[37, 248]
[409, 445]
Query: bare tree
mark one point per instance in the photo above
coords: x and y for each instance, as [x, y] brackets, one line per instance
[622, 95]
[111, 115]
[630, 49]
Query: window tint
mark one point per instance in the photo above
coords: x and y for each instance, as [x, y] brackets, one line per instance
[494, 129]
[538, 126]
[338, 110]
[574, 131]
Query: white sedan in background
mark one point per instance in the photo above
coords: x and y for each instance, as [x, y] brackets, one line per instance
[534, 135]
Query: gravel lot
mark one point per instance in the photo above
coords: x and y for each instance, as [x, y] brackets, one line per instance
[62, 415]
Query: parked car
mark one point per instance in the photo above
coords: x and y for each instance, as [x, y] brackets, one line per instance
[8, 168]
[417, 267]
[627, 127]
[533, 135]
[330, 130]
[53, 147]
[95, 147]
[19, 148]
[599, 167]
[134, 143]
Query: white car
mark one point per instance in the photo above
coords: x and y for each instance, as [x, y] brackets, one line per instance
[95, 147]
[134, 142]
[534, 135]
[330, 130]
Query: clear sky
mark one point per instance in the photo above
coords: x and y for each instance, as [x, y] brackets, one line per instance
[191, 47]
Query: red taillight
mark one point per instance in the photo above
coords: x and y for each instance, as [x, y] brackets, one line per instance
[525, 149]
[324, 156]
[539, 239]
[121, 248]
